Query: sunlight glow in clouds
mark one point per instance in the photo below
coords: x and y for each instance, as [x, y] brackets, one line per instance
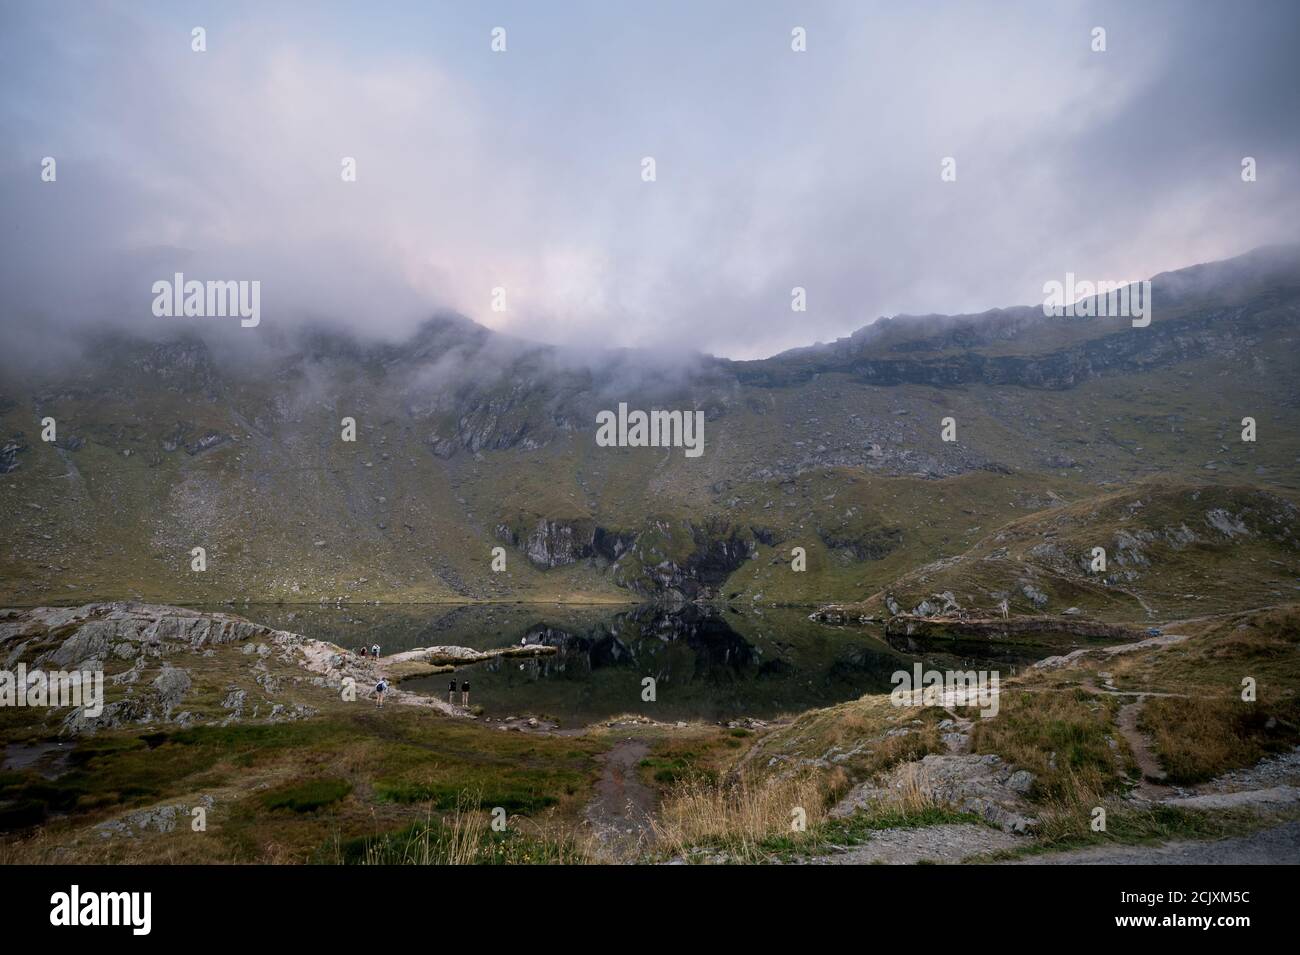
[521, 169]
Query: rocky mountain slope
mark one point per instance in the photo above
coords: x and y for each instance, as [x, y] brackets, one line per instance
[467, 441]
[1157, 549]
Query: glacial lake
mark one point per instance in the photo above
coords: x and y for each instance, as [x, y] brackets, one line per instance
[709, 664]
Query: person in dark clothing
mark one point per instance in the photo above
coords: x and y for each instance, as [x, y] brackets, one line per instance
[451, 692]
[464, 693]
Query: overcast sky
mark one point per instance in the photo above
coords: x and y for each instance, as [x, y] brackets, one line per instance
[523, 169]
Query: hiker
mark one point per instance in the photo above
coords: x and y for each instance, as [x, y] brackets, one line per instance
[380, 689]
[451, 692]
[464, 693]
[363, 651]
[374, 651]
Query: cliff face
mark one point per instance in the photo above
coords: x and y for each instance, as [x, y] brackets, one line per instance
[677, 559]
[685, 560]
[533, 416]
[555, 542]
[1166, 341]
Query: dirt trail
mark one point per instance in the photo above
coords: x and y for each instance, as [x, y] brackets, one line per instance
[1150, 781]
[621, 811]
[1149, 785]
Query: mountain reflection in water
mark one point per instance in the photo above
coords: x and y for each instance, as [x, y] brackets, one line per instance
[706, 663]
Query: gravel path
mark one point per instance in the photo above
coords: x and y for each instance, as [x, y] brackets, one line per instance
[1280, 770]
[623, 806]
[952, 842]
[1243, 799]
[1277, 846]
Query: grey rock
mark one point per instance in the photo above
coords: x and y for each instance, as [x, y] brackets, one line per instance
[1021, 781]
[172, 684]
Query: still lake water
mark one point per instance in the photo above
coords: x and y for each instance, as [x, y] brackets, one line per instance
[708, 664]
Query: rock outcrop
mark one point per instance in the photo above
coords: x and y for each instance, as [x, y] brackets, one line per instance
[151, 656]
[984, 785]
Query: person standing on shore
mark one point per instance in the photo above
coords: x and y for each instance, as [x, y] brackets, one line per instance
[464, 693]
[451, 692]
[380, 689]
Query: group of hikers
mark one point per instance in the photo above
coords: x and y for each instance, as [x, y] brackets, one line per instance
[382, 686]
[464, 693]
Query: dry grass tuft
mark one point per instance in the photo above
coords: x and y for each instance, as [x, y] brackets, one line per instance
[740, 813]
[1197, 739]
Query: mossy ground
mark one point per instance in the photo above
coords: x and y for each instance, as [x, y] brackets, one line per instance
[284, 791]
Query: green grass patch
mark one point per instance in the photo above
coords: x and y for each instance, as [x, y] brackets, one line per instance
[439, 843]
[667, 770]
[520, 798]
[307, 796]
[22, 814]
[1063, 738]
[830, 834]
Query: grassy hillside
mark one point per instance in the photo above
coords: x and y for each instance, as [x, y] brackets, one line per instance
[1170, 550]
[1070, 732]
[466, 441]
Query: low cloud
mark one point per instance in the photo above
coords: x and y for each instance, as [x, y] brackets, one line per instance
[522, 170]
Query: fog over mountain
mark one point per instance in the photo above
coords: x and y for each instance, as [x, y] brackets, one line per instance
[467, 439]
[589, 432]
[522, 169]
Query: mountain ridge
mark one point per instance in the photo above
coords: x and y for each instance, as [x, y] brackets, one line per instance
[467, 440]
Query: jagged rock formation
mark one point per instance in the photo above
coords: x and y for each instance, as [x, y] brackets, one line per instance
[149, 656]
